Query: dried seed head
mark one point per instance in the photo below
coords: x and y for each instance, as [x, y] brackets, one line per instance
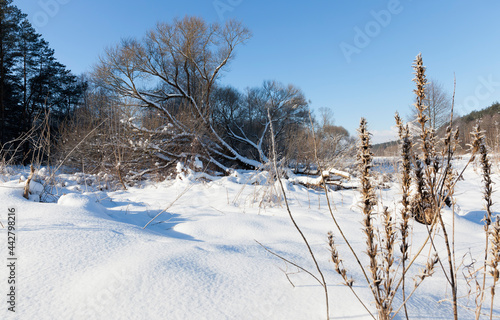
[428, 270]
[339, 266]
[477, 139]
[421, 81]
[494, 262]
[365, 158]
[399, 124]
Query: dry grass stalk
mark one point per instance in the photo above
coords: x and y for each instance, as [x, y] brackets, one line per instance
[432, 178]
[425, 171]
[368, 201]
[389, 291]
[494, 262]
[382, 277]
[431, 169]
[311, 253]
[339, 266]
[26, 192]
[404, 135]
[428, 270]
[479, 145]
[333, 249]
[435, 180]
[340, 269]
[423, 274]
[383, 282]
[421, 82]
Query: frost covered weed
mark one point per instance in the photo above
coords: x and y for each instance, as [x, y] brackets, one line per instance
[266, 192]
[492, 236]
[321, 279]
[428, 181]
[384, 276]
[47, 186]
[494, 260]
[4, 169]
[265, 189]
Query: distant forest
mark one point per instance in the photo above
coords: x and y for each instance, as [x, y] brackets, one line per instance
[488, 118]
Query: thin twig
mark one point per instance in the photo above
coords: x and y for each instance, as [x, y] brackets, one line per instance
[292, 218]
[290, 262]
[170, 205]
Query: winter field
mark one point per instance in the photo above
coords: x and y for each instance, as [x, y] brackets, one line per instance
[83, 253]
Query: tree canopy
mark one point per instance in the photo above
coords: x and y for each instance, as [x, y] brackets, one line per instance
[32, 82]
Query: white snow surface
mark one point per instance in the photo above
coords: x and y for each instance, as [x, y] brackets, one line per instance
[87, 256]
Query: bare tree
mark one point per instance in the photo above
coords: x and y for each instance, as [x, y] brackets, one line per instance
[332, 140]
[243, 117]
[173, 71]
[438, 105]
[326, 117]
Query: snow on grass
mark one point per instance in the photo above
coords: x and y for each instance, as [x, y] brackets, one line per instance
[87, 256]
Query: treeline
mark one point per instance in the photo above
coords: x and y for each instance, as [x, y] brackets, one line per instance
[107, 134]
[488, 112]
[36, 91]
[151, 103]
[489, 118]
[156, 101]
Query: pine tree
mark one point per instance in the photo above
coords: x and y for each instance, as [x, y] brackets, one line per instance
[29, 42]
[10, 16]
[32, 82]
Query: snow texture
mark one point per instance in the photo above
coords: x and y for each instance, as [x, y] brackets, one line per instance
[87, 256]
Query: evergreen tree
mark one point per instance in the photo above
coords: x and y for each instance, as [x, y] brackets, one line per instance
[10, 16]
[32, 82]
[29, 43]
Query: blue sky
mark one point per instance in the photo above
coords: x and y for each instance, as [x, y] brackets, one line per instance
[351, 56]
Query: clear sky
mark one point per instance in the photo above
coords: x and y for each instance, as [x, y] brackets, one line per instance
[351, 56]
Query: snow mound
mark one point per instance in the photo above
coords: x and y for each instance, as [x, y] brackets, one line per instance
[84, 201]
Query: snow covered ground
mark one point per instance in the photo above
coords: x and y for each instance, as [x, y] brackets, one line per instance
[87, 256]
